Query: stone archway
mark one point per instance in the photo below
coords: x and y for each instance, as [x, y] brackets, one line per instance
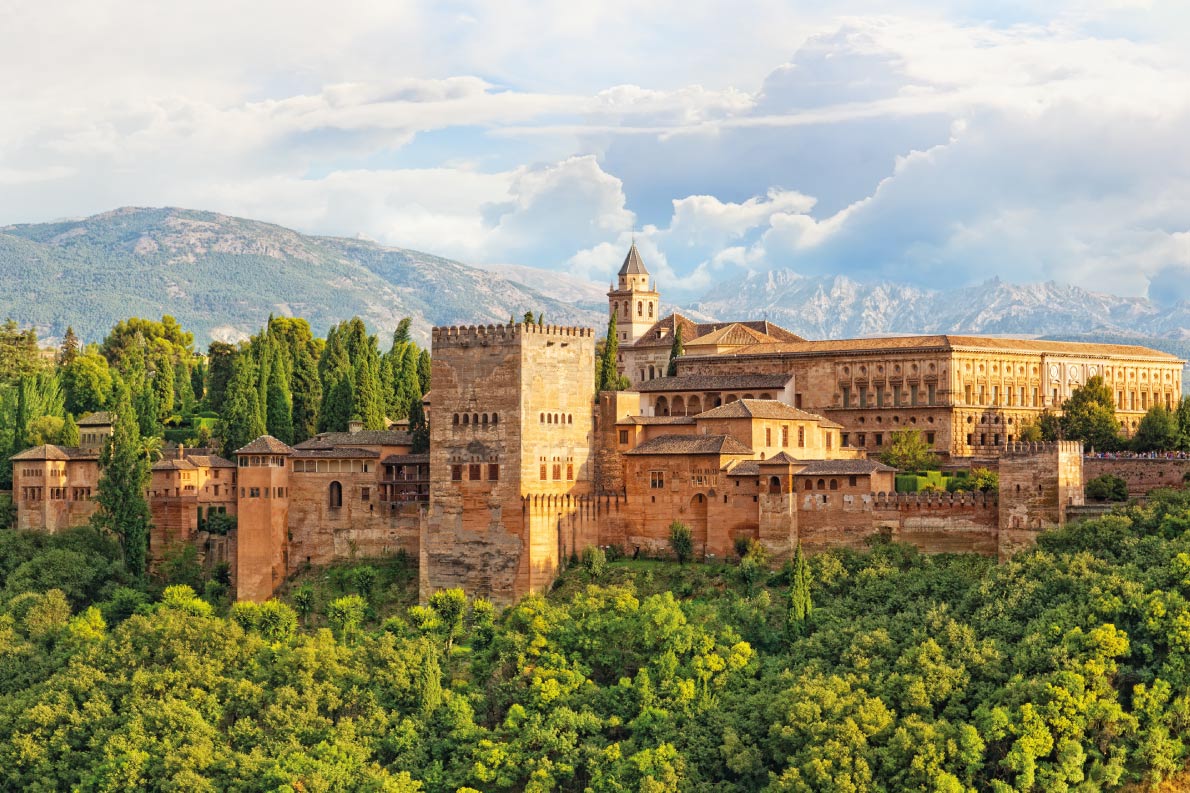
[661, 406]
[693, 406]
[679, 407]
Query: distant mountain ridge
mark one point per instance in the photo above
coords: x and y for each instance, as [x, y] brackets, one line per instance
[222, 276]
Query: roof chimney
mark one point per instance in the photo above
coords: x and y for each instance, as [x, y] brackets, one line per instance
[181, 451]
[354, 426]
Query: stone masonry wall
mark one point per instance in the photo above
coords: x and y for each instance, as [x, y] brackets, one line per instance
[1141, 475]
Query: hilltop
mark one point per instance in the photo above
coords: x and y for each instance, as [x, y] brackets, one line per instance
[222, 276]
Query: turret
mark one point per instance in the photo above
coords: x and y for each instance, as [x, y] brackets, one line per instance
[262, 545]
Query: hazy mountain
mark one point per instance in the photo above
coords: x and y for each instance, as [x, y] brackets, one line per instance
[837, 307]
[222, 276]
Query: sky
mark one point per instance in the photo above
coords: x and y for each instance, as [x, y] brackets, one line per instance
[938, 143]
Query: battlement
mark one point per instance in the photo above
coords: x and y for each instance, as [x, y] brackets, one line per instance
[483, 335]
[918, 501]
[1024, 449]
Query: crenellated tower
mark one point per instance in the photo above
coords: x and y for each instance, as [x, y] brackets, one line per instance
[511, 417]
[633, 301]
[262, 533]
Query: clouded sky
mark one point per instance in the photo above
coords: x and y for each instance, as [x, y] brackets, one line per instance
[938, 143]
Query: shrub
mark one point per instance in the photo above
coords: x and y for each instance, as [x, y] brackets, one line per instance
[681, 541]
[1107, 488]
[595, 562]
[220, 523]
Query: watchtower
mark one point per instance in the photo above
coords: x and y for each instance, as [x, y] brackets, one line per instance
[262, 522]
[1038, 481]
[511, 416]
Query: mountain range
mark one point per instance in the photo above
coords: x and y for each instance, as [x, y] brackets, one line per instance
[222, 276]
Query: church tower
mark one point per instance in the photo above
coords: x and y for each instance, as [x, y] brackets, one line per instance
[633, 302]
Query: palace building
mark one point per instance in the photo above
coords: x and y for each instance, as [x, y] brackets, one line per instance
[761, 436]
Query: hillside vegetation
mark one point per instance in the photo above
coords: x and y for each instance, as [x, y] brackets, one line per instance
[1063, 669]
[223, 276]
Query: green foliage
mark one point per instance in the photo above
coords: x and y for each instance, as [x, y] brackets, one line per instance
[681, 541]
[121, 508]
[243, 419]
[1107, 487]
[1158, 431]
[419, 428]
[346, 614]
[676, 350]
[801, 602]
[87, 382]
[1090, 416]
[908, 451]
[594, 561]
[607, 378]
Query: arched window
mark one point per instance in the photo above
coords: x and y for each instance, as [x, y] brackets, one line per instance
[651, 375]
[822, 484]
[809, 485]
[650, 310]
[834, 484]
[483, 419]
[569, 418]
[775, 484]
[549, 418]
[456, 420]
[336, 495]
[542, 418]
[495, 418]
[475, 418]
[640, 308]
[466, 419]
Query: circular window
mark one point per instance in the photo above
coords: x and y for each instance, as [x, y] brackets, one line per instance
[880, 370]
[879, 419]
[897, 368]
[930, 419]
[896, 419]
[861, 419]
[970, 419]
[846, 370]
[863, 370]
[913, 368]
[913, 419]
[931, 367]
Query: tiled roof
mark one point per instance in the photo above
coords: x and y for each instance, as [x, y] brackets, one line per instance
[948, 342]
[335, 453]
[764, 409]
[662, 332]
[843, 467]
[405, 459]
[174, 464]
[100, 418]
[734, 334]
[781, 458]
[46, 452]
[745, 468]
[649, 420]
[329, 440]
[633, 264]
[210, 461]
[691, 444]
[714, 382]
[265, 444]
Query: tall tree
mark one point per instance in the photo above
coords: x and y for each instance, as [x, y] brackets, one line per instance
[1157, 432]
[86, 382]
[368, 402]
[1090, 416]
[424, 366]
[70, 347]
[306, 393]
[401, 334]
[908, 451]
[280, 406]
[801, 604]
[676, 350]
[220, 356]
[419, 429]
[163, 377]
[120, 498]
[19, 354]
[608, 378]
[70, 432]
[1182, 414]
[243, 418]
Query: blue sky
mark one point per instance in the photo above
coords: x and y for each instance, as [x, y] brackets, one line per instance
[936, 143]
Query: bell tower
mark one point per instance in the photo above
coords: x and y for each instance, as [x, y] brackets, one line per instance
[632, 301]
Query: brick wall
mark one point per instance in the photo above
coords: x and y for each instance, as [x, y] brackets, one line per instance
[1141, 475]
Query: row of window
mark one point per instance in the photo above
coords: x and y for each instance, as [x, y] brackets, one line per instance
[56, 493]
[626, 307]
[556, 418]
[556, 470]
[881, 396]
[861, 438]
[475, 419]
[332, 466]
[475, 472]
[264, 492]
[262, 461]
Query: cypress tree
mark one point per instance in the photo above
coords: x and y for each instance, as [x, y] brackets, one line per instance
[424, 366]
[676, 350]
[607, 378]
[183, 389]
[122, 509]
[148, 414]
[280, 407]
[163, 389]
[220, 356]
[242, 420]
[198, 379]
[419, 428]
[70, 347]
[401, 334]
[367, 399]
[801, 605]
[21, 418]
[306, 392]
[70, 432]
[529, 318]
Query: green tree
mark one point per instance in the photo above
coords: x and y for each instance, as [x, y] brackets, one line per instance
[401, 334]
[86, 382]
[801, 602]
[1090, 416]
[242, 420]
[70, 347]
[1050, 425]
[1030, 432]
[345, 615]
[121, 508]
[676, 350]
[419, 429]
[70, 432]
[529, 318]
[19, 353]
[607, 377]
[1158, 431]
[909, 451]
[1107, 487]
[681, 541]
[423, 371]
[306, 393]
[451, 606]
[280, 406]
[220, 356]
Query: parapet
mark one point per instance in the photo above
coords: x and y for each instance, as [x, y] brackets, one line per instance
[1026, 449]
[904, 501]
[467, 335]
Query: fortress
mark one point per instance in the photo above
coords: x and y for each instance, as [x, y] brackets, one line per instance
[760, 435]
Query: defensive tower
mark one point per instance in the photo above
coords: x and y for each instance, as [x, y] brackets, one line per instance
[262, 544]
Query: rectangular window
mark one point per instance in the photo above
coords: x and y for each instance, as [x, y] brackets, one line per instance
[880, 397]
[801, 436]
[1037, 399]
[569, 472]
[846, 396]
[851, 481]
[543, 472]
[768, 436]
[983, 395]
[473, 472]
[456, 473]
[846, 439]
[829, 439]
[913, 394]
[254, 492]
[880, 439]
[995, 395]
[970, 438]
[930, 438]
[784, 436]
[623, 436]
[493, 472]
[967, 398]
[656, 480]
[863, 396]
[862, 439]
[365, 494]
[557, 472]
